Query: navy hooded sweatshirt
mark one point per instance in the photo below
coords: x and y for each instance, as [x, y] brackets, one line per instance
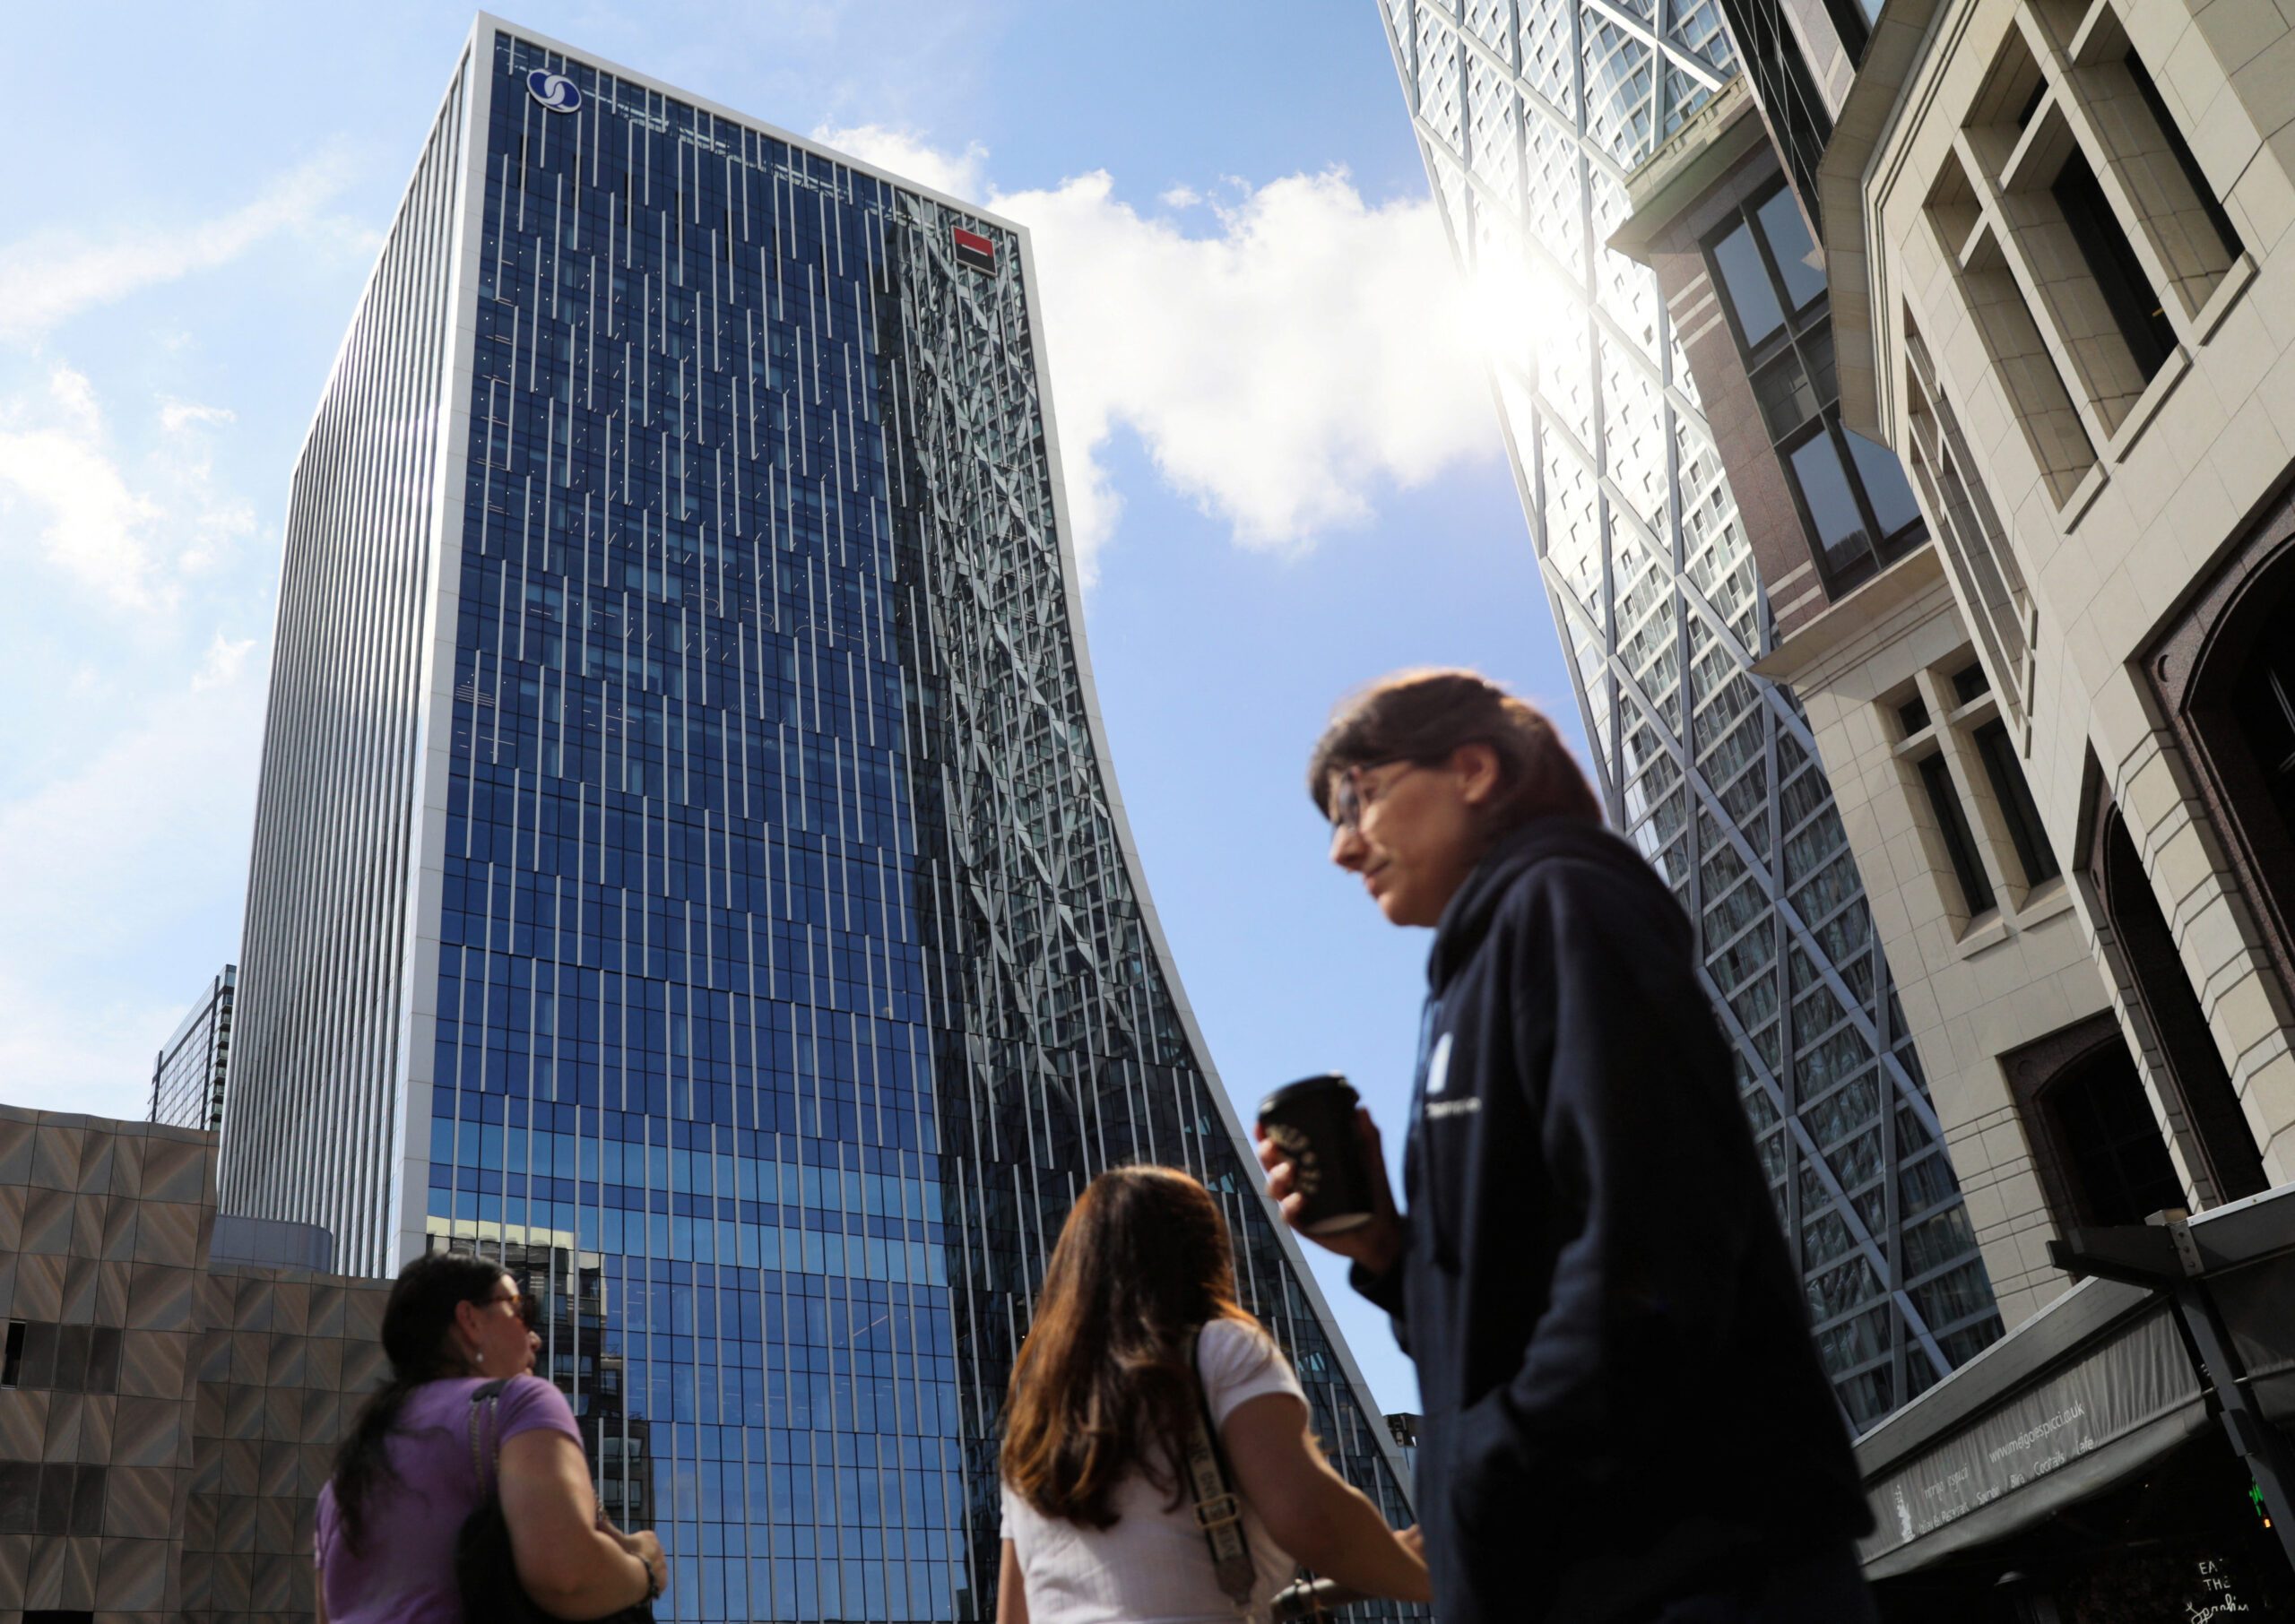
[1622, 1402]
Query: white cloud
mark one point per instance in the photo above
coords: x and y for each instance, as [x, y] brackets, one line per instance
[138, 845]
[65, 490]
[57, 464]
[176, 414]
[219, 666]
[960, 175]
[1281, 368]
[52, 276]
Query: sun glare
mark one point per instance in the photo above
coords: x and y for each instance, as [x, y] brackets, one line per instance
[1512, 307]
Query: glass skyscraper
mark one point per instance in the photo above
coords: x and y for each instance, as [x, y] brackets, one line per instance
[1530, 115]
[687, 862]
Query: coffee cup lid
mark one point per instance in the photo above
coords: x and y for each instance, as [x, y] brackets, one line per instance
[1324, 1082]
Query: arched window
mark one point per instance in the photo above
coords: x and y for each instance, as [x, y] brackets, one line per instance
[2096, 1144]
[2225, 677]
[2202, 1106]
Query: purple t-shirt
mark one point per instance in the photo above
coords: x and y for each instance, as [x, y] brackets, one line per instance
[403, 1571]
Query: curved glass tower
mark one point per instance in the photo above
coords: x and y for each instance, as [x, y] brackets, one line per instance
[1530, 114]
[687, 862]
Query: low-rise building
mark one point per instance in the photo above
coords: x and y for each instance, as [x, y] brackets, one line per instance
[174, 1384]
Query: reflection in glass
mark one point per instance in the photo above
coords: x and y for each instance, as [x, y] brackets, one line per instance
[1797, 256]
[1747, 286]
[1834, 512]
[1787, 400]
[1884, 484]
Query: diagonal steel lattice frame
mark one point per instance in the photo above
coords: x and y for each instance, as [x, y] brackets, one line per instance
[1071, 1046]
[1529, 115]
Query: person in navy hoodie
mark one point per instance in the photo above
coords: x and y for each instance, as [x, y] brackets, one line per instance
[1624, 1419]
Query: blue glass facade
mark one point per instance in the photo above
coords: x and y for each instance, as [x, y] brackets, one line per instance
[773, 967]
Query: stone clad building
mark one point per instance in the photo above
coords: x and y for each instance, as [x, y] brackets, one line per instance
[2058, 233]
[2027, 261]
[2059, 719]
[1990, 959]
[174, 1385]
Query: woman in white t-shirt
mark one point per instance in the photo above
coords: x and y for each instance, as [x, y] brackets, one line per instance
[1099, 1526]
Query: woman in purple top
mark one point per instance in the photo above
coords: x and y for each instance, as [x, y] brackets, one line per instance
[404, 1480]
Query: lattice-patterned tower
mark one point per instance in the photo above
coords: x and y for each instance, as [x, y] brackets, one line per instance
[687, 858]
[1530, 114]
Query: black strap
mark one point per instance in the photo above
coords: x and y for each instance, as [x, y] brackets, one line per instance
[1217, 1512]
[487, 1463]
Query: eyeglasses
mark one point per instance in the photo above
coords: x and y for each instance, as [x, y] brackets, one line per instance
[524, 1306]
[1347, 798]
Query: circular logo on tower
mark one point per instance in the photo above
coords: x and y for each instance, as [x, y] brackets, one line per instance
[555, 92]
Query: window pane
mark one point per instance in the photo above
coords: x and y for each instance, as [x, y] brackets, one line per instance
[2015, 798]
[1787, 401]
[1745, 285]
[1884, 484]
[1788, 242]
[1816, 345]
[1833, 516]
[1945, 801]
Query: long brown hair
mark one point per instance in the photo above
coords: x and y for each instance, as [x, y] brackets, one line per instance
[1101, 1379]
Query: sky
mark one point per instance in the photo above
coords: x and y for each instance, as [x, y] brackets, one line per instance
[1285, 473]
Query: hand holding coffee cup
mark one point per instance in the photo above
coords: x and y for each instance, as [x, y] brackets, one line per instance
[1326, 1170]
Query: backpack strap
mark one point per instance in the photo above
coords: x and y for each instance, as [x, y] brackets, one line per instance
[1217, 1512]
[487, 1463]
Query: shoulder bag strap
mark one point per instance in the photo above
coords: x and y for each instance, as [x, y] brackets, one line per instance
[485, 1462]
[1217, 1512]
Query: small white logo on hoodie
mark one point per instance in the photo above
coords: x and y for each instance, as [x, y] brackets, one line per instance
[1438, 1077]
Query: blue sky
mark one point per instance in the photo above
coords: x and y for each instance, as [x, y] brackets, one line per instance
[1286, 472]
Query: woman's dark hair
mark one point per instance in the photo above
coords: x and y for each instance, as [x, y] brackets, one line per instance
[415, 1325]
[1424, 716]
[1101, 1375]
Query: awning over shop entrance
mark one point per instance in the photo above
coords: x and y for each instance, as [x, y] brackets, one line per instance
[2110, 1412]
[2088, 1393]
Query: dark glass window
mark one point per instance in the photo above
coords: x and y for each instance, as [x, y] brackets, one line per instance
[1746, 287]
[1788, 239]
[1836, 520]
[1853, 502]
[2186, 1043]
[2263, 701]
[1883, 477]
[1912, 716]
[2111, 260]
[1787, 397]
[1970, 681]
[2015, 798]
[1976, 890]
[14, 1362]
[1785, 87]
[2109, 1141]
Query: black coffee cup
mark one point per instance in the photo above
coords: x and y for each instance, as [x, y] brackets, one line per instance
[1312, 1120]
